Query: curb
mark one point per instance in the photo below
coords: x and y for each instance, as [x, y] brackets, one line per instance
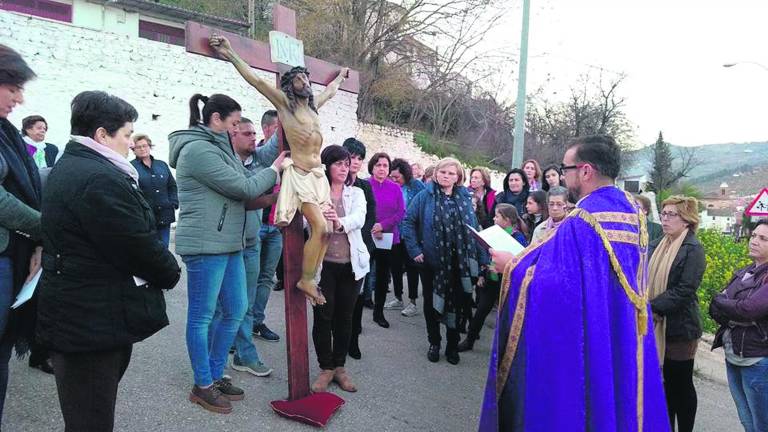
[710, 365]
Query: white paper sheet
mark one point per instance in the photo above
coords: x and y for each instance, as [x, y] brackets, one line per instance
[385, 242]
[27, 290]
[496, 238]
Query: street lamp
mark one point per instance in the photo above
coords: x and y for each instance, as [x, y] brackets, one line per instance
[760, 65]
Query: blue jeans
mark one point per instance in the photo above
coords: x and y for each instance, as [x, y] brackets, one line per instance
[246, 350]
[749, 389]
[6, 300]
[271, 248]
[164, 234]
[212, 278]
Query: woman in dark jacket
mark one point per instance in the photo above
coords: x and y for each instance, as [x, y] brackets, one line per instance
[400, 173]
[104, 268]
[516, 190]
[157, 184]
[677, 264]
[742, 312]
[19, 217]
[436, 235]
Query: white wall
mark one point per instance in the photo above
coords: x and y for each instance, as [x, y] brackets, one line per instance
[155, 77]
[720, 223]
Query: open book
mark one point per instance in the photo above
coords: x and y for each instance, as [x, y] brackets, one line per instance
[496, 238]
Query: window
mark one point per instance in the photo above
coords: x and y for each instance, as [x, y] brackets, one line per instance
[42, 8]
[161, 33]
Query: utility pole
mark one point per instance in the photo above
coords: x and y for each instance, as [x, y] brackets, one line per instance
[519, 141]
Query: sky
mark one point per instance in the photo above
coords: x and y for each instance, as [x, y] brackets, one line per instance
[672, 52]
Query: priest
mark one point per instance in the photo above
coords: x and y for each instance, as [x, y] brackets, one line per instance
[573, 350]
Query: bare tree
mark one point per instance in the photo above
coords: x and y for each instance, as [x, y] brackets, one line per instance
[594, 106]
[378, 37]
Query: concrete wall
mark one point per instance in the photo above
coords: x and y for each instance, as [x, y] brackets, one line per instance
[157, 78]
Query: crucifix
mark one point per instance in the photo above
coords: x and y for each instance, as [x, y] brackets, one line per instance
[299, 126]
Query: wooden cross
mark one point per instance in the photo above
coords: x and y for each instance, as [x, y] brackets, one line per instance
[257, 54]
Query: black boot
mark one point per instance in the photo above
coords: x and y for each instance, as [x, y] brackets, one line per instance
[354, 348]
[467, 344]
[44, 364]
[433, 354]
[452, 357]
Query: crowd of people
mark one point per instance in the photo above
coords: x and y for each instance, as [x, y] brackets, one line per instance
[99, 227]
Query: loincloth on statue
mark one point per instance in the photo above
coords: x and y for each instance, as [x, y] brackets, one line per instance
[298, 187]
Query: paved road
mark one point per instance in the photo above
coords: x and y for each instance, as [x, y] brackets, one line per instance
[399, 389]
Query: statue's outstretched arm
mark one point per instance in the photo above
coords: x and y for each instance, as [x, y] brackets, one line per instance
[221, 45]
[332, 88]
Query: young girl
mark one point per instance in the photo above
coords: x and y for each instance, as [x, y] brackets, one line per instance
[507, 217]
[536, 212]
[488, 290]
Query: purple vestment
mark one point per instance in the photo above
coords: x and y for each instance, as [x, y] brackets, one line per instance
[567, 345]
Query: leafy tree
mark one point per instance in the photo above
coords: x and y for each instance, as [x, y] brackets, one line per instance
[664, 172]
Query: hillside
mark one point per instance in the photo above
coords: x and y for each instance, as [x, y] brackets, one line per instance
[743, 166]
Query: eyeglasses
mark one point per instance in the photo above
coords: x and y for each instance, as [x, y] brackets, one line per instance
[668, 215]
[557, 204]
[564, 168]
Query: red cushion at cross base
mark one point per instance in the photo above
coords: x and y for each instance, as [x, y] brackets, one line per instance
[315, 409]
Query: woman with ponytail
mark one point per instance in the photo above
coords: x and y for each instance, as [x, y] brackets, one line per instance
[213, 187]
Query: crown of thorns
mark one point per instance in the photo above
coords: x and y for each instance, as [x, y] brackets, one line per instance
[291, 74]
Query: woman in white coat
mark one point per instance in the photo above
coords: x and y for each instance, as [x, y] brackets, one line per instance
[345, 265]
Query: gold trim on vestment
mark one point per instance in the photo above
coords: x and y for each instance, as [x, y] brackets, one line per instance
[623, 236]
[514, 333]
[639, 300]
[618, 217]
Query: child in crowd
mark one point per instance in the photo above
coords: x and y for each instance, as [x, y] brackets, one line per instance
[488, 287]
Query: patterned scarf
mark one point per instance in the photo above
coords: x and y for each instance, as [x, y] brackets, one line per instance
[455, 246]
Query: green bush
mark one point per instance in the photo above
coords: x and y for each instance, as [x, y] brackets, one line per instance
[724, 257]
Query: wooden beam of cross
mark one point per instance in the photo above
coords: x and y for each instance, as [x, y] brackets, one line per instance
[258, 55]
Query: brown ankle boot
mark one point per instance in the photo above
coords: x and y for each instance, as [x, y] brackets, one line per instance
[341, 378]
[211, 399]
[321, 383]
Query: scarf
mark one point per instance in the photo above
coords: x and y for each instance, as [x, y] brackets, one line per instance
[551, 224]
[114, 157]
[456, 254]
[658, 277]
[36, 150]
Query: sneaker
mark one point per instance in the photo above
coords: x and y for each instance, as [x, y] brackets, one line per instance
[255, 368]
[410, 310]
[263, 332]
[211, 399]
[229, 390]
[393, 304]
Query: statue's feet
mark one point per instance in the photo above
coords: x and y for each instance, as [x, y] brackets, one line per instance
[312, 291]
